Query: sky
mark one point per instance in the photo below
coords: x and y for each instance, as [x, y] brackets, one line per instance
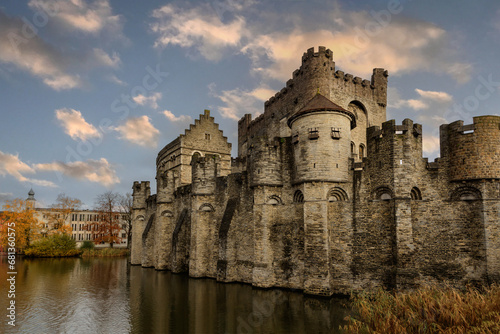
[91, 90]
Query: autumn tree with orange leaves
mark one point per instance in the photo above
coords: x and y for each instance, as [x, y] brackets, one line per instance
[17, 218]
[107, 229]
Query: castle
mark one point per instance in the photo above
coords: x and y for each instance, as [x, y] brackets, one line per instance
[325, 196]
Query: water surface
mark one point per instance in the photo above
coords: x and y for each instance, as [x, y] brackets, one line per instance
[106, 295]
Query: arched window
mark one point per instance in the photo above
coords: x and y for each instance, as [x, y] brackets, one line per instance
[167, 213]
[337, 195]
[298, 197]
[415, 194]
[466, 193]
[273, 200]
[206, 207]
[361, 151]
[353, 148]
[383, 193]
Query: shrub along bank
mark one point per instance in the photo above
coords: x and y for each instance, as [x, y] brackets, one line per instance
[57, 245]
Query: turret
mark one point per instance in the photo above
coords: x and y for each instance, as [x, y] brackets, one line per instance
[140, 193]
[165, 186]
[473, 150]
[379, 82]
[318, 68]
[204, 172]
[321, 139]
[394, 156]
[30, 201]
[264, 162]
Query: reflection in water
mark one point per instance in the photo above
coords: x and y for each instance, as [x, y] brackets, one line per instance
[68, 296]
[109, 296]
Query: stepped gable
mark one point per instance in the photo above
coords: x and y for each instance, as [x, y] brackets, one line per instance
[321, 103]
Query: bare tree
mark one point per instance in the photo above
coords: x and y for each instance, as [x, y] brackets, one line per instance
[61, 210]
[126, 211]
[107, 229]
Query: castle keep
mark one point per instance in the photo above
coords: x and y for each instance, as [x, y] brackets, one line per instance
[325, 196]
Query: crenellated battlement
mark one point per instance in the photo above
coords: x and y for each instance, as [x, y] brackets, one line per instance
[390, 128]
[140, 193]
[317, 73]
[379, 76]
[322, 52]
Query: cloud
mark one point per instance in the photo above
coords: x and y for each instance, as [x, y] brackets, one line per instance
[238, 102]
[148, 100]
[28, 52]
[198, 27]
[6, 197]
[172, 118]
[436, 96]
[99, 171]
[417, 104]
[13, 166]
[430, 144]
[139, 131]
[79, 15]
[358, 40]
[114, 79]
[105, 59]
[75, 126]
[428, 100]
[402, 46]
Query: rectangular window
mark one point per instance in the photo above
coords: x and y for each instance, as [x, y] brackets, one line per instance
[335, 133]
[207, 136]
[313, 133]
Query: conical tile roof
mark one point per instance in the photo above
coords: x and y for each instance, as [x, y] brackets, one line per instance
[321, 103]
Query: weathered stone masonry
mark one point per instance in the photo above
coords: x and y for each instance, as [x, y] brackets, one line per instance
[325, 195]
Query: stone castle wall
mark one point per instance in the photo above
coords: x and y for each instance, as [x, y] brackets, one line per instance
[309, 213]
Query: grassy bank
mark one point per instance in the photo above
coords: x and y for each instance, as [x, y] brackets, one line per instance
[105, 252]
[426, 310]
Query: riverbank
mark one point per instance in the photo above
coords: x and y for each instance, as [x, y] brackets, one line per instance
[105, 252]
[426, 310]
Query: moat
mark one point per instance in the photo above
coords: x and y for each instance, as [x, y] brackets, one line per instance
[109, 296]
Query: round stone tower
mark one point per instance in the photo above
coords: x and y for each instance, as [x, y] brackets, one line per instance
[321, 137]
[473, 150]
